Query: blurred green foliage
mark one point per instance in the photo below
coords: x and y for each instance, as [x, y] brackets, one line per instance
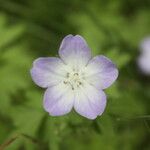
[34, 28]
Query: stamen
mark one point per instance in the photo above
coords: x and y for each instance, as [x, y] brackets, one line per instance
[72, 87]
[80, 83]
[74, 79]
[68, 74]
[65, 82]
[76, 74]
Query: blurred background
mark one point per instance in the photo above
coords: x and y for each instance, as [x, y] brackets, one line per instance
[34, 28]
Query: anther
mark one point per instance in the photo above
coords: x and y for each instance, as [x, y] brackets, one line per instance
[80, 83]
[72, 87]
[76, 74]
[65, 82]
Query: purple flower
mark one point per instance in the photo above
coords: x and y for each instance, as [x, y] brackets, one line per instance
[144, 58]
[75, 80]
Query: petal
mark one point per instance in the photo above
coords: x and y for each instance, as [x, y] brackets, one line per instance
[58, 100]
[90, 102]
[47, 71]
[101, 72]
[74, 51]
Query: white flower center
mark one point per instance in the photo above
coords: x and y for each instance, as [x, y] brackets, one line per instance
[74, 79]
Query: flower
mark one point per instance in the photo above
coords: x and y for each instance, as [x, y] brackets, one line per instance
[75, 80]
[144, 58]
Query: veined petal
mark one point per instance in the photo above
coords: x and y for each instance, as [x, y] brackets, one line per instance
[48, 71]
[74, 51]
[58, 100]
[90, 102]
[101, 72]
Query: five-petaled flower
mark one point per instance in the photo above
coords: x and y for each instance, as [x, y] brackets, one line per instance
[75, 80]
